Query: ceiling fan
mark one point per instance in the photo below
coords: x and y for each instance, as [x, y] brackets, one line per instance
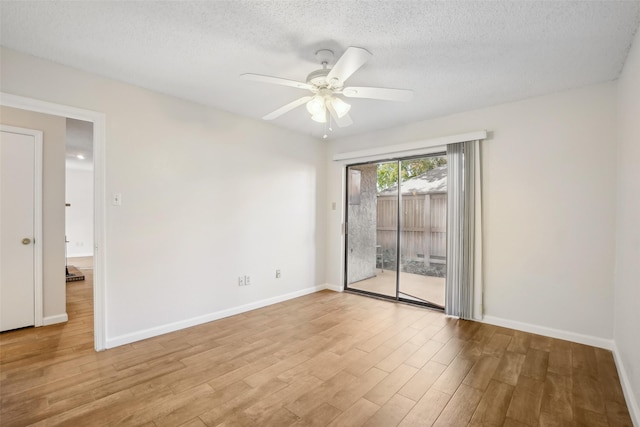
[326, 84]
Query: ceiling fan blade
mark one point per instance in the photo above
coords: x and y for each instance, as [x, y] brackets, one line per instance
[275, 80]
[343, 121]
[352, 59]
[383, 93]
[286, 108]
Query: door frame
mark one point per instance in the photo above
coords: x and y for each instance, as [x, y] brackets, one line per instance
[345, 239]
[38, 301]
[99, 180]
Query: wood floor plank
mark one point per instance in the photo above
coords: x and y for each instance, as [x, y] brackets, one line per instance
[584, 358]
[586, 418]
[319, 417]
[321, 394]
[509, 368]
[426, 334]
[526, 401]
[492, 408]
[587, 393]
[557, 399]
[183, 410]
[422, 380]
[148, 413]
[356, 415]
[481, 373]
[362, 365]
[449, 351]
[350, 394]
[535, 364]
[236, 405]
[618, 415]
[322, 359]
[395, 359]
[427, 410]
[424, 354]
[520, 342]
[560, 361]
[497, 345]
[452, 377]
[460, 408]
[390, 385]
[392, 412]
[260, 411]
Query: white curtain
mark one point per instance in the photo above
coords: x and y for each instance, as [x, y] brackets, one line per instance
[464, 231]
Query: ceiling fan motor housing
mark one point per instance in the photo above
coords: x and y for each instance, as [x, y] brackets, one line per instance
[318, 78]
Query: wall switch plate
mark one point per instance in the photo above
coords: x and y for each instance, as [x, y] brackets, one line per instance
[241, 281]
[247, 280]
[117, 199]
[277, 274]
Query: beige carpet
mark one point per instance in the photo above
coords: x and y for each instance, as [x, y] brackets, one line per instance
[426, 288]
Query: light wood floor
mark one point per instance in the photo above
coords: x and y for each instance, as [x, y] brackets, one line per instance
[324, 359]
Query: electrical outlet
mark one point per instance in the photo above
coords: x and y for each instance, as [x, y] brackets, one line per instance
[241, 281]
[278, 274]
[247, 280]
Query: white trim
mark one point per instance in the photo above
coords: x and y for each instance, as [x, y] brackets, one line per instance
[58, 318]
[84, 254]
[334, 288]
[38, 300]
[182, 324]
[550, 332]
[409, 148]
[632, 402]
[39, 273]
[99, 181]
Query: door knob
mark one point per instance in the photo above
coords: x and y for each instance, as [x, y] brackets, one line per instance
[26, 241]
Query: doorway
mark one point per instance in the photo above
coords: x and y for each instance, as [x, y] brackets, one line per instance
[78, 199]
[395, 235]
[99, 259]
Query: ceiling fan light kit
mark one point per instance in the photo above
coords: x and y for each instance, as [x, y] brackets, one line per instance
[316, 105]
[326, 83]
[341, 107]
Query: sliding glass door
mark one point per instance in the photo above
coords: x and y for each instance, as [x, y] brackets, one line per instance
[371, 231]
[396, 240]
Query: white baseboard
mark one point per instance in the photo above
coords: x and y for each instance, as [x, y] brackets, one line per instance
[182, 324]
[52, 320]
[334, 288]
[632, 401]
[80, 255]
[550, 332]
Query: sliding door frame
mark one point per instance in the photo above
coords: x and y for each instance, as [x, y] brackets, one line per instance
[397, 297]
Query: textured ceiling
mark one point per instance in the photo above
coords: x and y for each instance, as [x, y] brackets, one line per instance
[455, 56]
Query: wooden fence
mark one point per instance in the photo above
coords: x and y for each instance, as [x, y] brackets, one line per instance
[423, 233]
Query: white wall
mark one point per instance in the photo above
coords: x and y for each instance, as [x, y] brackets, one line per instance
[549, 203]
[53, 274]
[79, 216]
[627, 273]
[207, 196]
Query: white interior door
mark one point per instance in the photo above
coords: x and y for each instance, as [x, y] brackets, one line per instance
[20, 257]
